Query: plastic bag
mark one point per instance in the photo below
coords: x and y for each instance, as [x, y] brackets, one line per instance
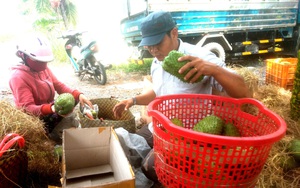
[134, 142]
[136, 149]
[88, 112]
[141, 181]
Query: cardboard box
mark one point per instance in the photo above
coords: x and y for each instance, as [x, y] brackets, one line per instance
[93, 157]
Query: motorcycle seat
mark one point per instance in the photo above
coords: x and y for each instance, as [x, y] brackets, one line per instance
[85, 47]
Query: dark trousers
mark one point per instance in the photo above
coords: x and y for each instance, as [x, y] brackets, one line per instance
[148, 163]
[55, 125]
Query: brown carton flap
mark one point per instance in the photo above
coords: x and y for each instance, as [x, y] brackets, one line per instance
[103, 169]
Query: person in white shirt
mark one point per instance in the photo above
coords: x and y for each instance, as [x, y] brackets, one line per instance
[160, 36]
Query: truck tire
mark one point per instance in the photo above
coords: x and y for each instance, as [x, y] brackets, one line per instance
[217, 49]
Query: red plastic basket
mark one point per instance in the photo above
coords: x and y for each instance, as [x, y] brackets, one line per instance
[186, 158]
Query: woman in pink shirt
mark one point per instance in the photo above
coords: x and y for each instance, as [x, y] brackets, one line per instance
[34, 87]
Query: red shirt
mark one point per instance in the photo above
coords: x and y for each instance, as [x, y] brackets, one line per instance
[35, 91]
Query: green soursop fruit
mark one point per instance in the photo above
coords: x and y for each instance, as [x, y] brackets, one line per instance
[210, 124]
[288, 162]
[64, 104]
[294, 149]
[172, 65]
[231, 130]
[177, 122]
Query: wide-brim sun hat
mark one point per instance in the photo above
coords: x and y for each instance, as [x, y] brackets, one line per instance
[155, 26]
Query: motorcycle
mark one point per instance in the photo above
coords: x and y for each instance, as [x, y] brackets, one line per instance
[83, 58]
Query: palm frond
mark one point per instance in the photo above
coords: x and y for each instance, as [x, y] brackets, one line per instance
[71, 12]
[43, 6]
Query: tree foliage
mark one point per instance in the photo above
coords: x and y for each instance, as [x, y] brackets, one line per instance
[295, 98]
[70, 11]
[49, 18]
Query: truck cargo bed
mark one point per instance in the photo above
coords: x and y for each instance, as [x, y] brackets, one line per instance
[203, 16]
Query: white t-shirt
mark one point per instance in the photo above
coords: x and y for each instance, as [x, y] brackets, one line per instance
[165, 83]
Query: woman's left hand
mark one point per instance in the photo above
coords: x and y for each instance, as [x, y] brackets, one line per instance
[84, 100]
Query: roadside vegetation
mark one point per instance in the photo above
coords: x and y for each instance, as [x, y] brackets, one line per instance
[50, 17]
[141, 67]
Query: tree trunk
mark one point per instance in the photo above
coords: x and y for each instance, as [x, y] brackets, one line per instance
[63, 13]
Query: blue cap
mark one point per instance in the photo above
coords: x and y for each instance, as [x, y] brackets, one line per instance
[155, 26]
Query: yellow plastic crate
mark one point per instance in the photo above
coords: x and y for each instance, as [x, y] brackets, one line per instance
[281, 72]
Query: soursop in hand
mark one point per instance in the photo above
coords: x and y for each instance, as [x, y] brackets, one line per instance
[64, 104]
[172, 65]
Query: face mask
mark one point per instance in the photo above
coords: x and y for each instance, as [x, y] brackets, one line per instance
[36, 65]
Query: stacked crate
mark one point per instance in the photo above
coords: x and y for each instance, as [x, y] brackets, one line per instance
[281, 72]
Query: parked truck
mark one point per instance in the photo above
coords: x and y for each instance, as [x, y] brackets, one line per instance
[229, 28]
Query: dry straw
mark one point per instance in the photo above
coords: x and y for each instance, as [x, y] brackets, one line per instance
[40, 149]
[251, 78]
[274, 173]
[277, 99]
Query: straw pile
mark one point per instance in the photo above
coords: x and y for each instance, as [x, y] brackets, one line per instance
[251, 78]
[277, 99]
[40, 150]
[274, 175]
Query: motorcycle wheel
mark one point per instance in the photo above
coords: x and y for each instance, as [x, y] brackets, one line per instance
[100, 74]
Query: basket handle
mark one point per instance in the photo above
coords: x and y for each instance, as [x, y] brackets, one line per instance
[164, 122]
[7, 137]
[9, 140]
